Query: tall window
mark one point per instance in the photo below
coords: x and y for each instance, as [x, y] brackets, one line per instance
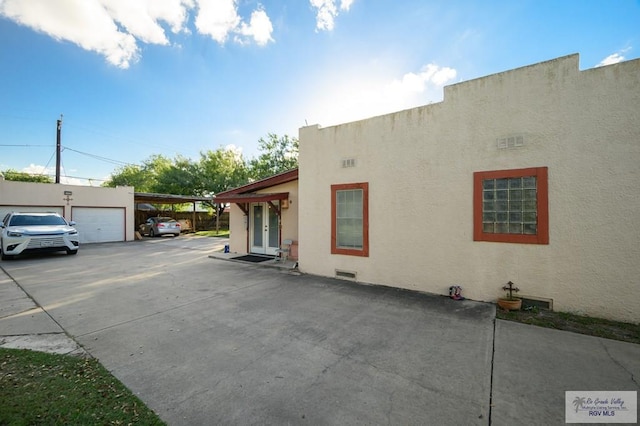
[350, 219]
[511, 206]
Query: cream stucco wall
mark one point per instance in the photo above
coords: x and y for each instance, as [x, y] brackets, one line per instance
[52, 195]
[583, 125]
[289, 219]
[237, 230]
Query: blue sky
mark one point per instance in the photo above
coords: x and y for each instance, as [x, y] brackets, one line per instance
[135, 78]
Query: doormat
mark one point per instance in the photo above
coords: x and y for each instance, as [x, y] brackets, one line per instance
[252, 258]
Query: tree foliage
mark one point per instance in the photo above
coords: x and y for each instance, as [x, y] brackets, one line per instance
[178, 177]
[17, 176]
[278, 154]
[214, 172]
[221, 170]
[144, 178]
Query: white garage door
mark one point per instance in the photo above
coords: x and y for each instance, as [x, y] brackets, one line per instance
[99, 224]
[7, 209]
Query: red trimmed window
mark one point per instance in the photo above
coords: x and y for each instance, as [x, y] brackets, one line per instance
[350, 219]
[511, 206]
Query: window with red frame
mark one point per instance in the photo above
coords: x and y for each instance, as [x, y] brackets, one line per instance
[511, 206]
[350, 219]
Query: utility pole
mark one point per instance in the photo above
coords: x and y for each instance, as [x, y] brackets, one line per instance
[58, 149]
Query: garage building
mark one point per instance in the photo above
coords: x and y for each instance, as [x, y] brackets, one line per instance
[101, 214]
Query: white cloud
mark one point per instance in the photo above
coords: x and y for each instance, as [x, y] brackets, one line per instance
[346, 4]
[359, 99]
[429, 74]
[83, 22]
[327, 11]
[114, 28]
[141, 18]
[33, 169]
[612, 59]
[37, 170]
[259, 28]
[217, 18]
[235, 150]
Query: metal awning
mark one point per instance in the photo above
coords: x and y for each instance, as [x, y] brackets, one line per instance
[251, 197]
[148, 197]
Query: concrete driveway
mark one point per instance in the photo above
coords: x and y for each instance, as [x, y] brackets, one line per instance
[205, 341]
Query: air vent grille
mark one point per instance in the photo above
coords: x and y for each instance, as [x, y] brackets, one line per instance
[347, 275]
[538, 302]
[510, 142]
[348, 162]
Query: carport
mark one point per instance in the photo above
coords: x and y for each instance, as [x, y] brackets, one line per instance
[152, 198]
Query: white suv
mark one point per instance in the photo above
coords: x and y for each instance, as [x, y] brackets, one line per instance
[29, 232]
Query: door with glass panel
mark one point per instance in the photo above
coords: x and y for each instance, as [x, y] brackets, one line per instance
[264, 229]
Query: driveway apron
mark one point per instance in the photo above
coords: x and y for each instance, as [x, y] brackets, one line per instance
[205, 341]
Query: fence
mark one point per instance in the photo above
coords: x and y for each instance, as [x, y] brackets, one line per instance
[204, 221]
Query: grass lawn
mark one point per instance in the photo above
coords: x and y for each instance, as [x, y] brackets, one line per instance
[576, 323]
[43, 388]
[222, 233]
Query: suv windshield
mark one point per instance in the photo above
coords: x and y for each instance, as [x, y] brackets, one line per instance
[35, 220]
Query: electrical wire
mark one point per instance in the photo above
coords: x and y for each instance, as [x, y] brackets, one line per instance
[80, 177]
[49, 146]
[102, 132]
[97, 157]
[44, 169]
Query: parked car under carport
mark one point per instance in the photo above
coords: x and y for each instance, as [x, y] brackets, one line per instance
[160, 225]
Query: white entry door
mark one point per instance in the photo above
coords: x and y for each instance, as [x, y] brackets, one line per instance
[264, 229]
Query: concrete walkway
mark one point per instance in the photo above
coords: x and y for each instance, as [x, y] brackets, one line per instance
[208, 341]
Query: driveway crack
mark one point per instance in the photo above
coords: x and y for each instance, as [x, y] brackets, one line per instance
[615, 361]
[493, 355]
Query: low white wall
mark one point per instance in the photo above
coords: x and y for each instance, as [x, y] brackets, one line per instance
[583, 125]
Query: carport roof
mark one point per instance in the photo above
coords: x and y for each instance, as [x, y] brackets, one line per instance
[147, 197]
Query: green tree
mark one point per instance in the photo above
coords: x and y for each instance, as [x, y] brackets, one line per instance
[180, 178]
[278, 154]
[14, 175]
[143, 178]
[131, 175]
[215, 172]
[219, 171]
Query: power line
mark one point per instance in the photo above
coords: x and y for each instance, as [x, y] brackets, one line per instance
[80, 177]
[97, 157]
[44, 169]
[99, 131]
[48, 146]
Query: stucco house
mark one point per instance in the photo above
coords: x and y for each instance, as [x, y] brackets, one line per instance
[263, 214]
[529, 175]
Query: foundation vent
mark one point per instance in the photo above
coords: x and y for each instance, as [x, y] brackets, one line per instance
[345, 275]
[348, 162]
[510, 142]
[537, 302]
